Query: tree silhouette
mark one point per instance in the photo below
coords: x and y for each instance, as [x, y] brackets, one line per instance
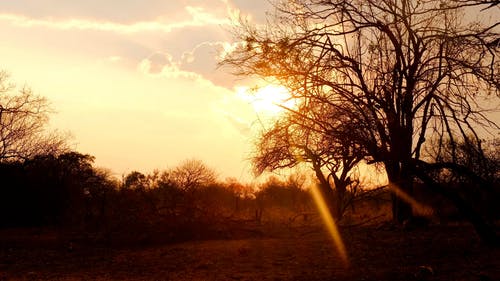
[49, 190]
[473, 174]
[135, 180]
[323, 137]
[23, 119]
[191, 174]
[407, 70]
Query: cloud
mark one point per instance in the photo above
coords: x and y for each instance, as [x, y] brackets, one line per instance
[199, 64]
[203, 60]
[161, 65]
[114, 59]
[255, 10]
[196, 17]
[194, 36]
[121, 11]
[184, 40]
[156, 62]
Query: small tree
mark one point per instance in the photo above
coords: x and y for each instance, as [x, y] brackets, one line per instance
[135, 180]
[191, 174]
[322, 137]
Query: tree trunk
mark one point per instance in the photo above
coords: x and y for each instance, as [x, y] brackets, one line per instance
[400, 181]
[326, 191]
[340, 191]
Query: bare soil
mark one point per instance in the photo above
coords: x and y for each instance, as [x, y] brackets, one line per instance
[375, 253]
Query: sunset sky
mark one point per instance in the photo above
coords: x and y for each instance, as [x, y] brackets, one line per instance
[135, 82]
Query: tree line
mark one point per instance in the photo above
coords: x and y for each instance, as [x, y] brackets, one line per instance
[66, 192]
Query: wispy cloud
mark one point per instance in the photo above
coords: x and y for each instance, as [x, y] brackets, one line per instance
[162, 65]
[198, 17]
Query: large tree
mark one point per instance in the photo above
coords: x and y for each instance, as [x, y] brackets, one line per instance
[406, 69]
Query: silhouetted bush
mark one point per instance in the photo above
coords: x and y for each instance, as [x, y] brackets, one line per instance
[66, 192]
[48, 190]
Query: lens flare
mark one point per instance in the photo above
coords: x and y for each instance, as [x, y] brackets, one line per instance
[418, 207]
[330, 224]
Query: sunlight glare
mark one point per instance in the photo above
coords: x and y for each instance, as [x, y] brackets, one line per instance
[270, 99]
[330, 224]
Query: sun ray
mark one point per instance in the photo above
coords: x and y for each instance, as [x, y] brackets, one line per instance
[330, 224]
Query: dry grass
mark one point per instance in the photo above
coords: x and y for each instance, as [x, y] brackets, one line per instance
[294, 253]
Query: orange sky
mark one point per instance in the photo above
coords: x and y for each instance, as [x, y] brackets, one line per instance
[135, 82]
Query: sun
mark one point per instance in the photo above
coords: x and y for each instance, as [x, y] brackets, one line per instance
[270, 99]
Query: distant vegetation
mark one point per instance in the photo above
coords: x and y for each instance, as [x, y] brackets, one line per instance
[66, 192]
[186, 202]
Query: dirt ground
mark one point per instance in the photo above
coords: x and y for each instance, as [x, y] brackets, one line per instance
[375, 253]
